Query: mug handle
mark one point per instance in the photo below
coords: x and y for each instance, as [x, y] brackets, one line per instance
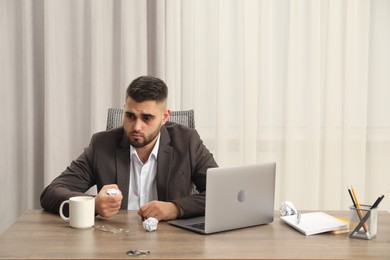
[61, 213]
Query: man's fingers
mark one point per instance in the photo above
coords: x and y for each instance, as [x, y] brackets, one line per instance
[108, 205]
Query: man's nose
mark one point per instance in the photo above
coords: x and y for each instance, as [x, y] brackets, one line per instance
[137, 125]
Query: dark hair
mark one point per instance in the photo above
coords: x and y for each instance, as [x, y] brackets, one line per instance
[147, 88]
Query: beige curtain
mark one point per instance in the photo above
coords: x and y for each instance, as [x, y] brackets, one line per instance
[304, 83]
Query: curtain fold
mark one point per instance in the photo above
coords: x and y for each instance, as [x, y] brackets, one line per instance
[302, 83]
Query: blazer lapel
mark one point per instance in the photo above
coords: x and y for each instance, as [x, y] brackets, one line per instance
[164, 162]
[123, 169]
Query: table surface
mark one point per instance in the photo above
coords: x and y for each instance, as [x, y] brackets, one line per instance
[39, 235]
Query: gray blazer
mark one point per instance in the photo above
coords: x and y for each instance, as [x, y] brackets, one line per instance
[182, 162]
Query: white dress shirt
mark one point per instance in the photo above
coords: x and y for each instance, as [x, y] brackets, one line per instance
[142, 186]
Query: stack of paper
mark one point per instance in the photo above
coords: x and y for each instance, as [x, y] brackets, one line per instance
[314, 223]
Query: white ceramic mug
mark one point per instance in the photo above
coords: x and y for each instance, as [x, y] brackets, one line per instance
[81, 211]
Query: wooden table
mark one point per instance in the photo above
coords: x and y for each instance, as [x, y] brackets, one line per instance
[38, 235]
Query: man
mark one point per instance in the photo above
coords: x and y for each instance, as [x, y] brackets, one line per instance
[153, 163]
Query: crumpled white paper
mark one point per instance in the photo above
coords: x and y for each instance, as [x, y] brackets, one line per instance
[287, 209]
[113, 192]
[150, 224]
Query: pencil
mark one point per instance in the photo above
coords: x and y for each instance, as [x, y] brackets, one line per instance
[354, 204]
[358, 209]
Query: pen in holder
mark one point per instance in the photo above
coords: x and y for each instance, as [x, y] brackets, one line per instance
[363, 222]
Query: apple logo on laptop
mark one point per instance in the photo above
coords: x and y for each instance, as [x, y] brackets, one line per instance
[241, 196]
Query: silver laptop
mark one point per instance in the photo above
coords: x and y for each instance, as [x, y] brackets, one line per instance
[236, 197]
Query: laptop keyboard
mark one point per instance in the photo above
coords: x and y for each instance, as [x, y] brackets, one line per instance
[199, 226]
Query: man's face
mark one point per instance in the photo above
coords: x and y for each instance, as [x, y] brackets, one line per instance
[142, 121]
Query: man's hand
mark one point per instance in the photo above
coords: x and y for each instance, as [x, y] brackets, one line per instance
[160, 210]
[108, 205]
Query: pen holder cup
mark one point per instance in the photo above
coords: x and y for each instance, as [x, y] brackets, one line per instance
[363, 222]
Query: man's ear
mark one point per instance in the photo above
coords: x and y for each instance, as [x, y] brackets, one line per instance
[166, 114]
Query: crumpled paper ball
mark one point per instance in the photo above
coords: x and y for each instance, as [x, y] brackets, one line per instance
[150, 224]
[287, 209]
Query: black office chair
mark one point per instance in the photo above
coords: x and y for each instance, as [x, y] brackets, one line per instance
[184, 117]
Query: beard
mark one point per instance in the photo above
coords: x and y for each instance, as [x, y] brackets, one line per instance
[144, 140]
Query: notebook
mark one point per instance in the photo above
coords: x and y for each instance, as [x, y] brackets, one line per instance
[236, 197]
[314, 223]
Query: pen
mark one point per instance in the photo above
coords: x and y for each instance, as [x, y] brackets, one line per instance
[376, 203]
[353, 200]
